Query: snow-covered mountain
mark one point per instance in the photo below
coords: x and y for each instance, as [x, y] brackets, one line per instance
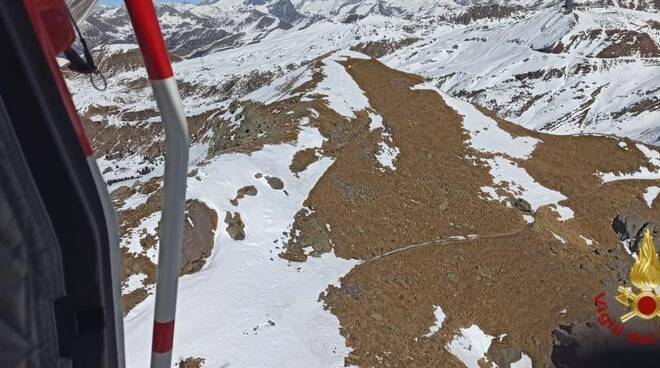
[195, 30]
[358, 191]
[347, 209]
[591, 71]
[594, 69]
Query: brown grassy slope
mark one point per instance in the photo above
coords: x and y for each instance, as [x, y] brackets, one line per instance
[514, 279]
[432, 193]
[568, 164]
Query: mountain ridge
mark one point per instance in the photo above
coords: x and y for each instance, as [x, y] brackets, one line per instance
[545, 69]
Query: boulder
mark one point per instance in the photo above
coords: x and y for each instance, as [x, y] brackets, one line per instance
[235, 226]
[198, 236]
[502, 353]
[248, 190]
[522, 205]
[275, 183]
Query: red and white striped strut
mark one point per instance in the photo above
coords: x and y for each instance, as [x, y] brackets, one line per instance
[147, 31]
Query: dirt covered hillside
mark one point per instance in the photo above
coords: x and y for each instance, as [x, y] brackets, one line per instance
[347, 213]
[496, 226]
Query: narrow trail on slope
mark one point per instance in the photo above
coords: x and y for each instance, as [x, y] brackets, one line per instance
[404, 248]
[457, 240]
[446, 241]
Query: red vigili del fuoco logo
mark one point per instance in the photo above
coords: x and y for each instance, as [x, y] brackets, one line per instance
[643, 301]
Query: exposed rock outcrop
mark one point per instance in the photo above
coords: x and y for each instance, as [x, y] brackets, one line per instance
[275, 183]
[249, 190]
[200, 226]
[198, 236]
[631, 227]
[235, 226]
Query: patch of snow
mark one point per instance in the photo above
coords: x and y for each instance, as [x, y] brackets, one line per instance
[485, 134]
[244, 285]
[643, 173]
[562, 240]
[387, 152]
[470, 346]
[492, 193]
[341, 92]
[529, 219]
[651, 194]
[652, 155]
[627, 244]
[439, 320]
[345, 54]
[386, 156]
[375, 122]
[61, 62]
[309, 137]
[134, 201]
[588, 241]
[524, 362]
[519, 183]
[134, 282]
[146, 226]
[234, 118]
[280, 88]
[125, 171]
[565, 213]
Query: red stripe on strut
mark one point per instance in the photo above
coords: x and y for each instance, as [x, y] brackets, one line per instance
[163, 337]
[147, 31]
